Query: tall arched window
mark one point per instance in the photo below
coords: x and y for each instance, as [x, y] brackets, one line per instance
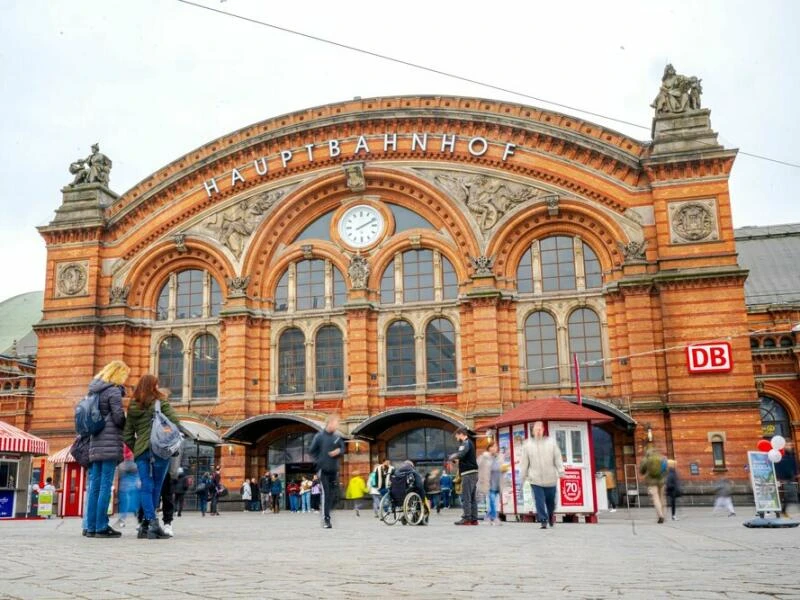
[329, 359]
[774, 419]
[205, 366]
[387, 285]
[310, 284]
[585, 340]
[558, 263]
[449, 281]
[401, 363]
[162, 308]
[591, 268]
[282, 294]
[525, 273]
[215, 303]
[170, 366]
[189, 294]
[417, 275]
[541, 348]
[440, 354]
[292, 362]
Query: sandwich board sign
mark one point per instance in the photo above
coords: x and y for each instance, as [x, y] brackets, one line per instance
[764, 482]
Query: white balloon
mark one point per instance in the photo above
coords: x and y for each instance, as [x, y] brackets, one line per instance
[778, 442]
[774, 455]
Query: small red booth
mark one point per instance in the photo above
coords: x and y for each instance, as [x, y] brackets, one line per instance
[569, 424]
[73, 484]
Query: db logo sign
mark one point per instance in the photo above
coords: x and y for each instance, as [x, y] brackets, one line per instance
[709, 358]
[572, 488]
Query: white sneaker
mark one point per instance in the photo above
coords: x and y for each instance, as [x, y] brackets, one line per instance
[612, 510]
[674, 517]
[168, 530]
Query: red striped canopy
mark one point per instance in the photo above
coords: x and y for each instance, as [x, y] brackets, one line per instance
[62, 456]
[13, 439]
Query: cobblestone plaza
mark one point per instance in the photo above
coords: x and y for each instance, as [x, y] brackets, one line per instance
[289, 556]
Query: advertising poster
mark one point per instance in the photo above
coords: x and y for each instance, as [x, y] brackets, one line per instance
[7, 504]
[504, 443]
[765, 485]
[517, 439]
[571, 488]
[45, 503]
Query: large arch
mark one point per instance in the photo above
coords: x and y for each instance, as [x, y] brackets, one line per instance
[249, 431]
[374, 425]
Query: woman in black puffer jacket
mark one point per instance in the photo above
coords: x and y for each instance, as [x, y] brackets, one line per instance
[105, 447]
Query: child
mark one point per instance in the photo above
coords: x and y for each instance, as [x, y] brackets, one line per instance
[723, 498]
[356, 489]
[129, 485]
[316, 492]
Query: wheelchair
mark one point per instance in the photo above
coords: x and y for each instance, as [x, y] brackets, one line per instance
[402, 503]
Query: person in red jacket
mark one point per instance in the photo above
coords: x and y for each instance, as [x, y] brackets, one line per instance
[293, 491]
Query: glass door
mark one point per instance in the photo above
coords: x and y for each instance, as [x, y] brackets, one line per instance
[575, 492]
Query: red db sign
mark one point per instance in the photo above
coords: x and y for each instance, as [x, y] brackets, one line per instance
[709, 358]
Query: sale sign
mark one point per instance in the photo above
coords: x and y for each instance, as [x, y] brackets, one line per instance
[572, 488]
[709, 358]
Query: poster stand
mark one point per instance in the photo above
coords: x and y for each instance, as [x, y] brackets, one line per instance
[766, 495]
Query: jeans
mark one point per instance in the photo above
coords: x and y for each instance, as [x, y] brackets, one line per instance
[305, 501]
[294, 502]
[545, 502]
[494, 504]
[151, 474]
[276, 503]
[202, 501]
[101, 476]
[435, 500]
[673, 501]
[446, 492]
[469, 496]
[214, 499]
[315, 499]
[330, 483]
[265, 501]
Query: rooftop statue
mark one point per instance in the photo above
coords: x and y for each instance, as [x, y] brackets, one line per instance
[678, 93]
[95, 168]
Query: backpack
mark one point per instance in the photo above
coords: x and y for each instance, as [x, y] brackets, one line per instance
[655, 467]
[80, 450]
[88, 420]
[165, 437]
[373, 480]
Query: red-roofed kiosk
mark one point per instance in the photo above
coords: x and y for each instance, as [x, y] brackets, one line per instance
[570, 425]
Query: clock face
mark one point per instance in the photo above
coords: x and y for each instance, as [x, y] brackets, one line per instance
[361, 226]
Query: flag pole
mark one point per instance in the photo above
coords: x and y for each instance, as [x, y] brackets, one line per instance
[577, 379]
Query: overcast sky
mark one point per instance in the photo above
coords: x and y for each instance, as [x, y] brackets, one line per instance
[151, 80]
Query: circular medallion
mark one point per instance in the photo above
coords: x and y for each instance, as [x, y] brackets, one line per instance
[71, 280]
[693, 222]
[361, 226]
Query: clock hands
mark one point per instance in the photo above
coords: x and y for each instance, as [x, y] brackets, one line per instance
[365, 224]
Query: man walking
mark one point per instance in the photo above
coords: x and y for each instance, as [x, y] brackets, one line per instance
[654, 469]
[468, 471]
[216, 479]
[541, 466]
[327, 448]
[264, 485]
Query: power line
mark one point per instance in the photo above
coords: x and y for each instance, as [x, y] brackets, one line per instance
[455, 76]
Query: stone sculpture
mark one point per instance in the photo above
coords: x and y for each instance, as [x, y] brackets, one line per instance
[678, 93]
[118, 294]
[482, 265]
[95, 168]
[71, 279]
[355, 177]
[634, 250]
[359, 272]
[234, 226]
[237, 286]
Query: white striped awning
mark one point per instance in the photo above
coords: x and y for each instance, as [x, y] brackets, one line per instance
[62, 456]
[13, 439]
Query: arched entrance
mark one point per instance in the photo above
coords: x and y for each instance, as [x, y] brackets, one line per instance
[775, 419]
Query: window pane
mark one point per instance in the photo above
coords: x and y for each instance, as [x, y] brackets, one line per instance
[162, 308]
[585, 341]
[440, 354]
[282, 294]
[189, 299]
[318, 230]
[170, 366]
[292, 362]
[541, 348]
[339, 289]
[525, 273]
[329, 360]
[774, 419]
[416, 444]
[576, 442]
[396, 449]
[387, 285]
[558, 264]
[591, 268]
[205, 367]
[405, 219]
[561, 440]
[719, 454]
[449, 280]
[417, 275]
[216, 298]
[400, 358]
[310, 284]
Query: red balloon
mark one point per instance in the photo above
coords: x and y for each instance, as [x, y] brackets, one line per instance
[764, 445]
[782, 451]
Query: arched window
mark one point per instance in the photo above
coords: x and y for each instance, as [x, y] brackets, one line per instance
[769, 343]
[541, 348]
[754, 343]
[585, 340]
[440, 354]
[449, 280]
[525, 273]
[558, 263]
[329, 359]
[170, 366]
[417, 275]
[591, 268]
[292, 362]
[401, 366]
[387, 285]
[718, 451]
[774, 419]
[216, 299]
[205, 366]
[162, 308]
[786, 342]
[310, 284]
[189, 296]
[339, 289]
[424, 445]
[282, 294]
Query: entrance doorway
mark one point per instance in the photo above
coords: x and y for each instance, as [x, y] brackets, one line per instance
[288, 455]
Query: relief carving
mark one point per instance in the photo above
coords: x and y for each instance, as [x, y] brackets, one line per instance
[359, 272]
[354, 173]
[118, 294]
[237, 286]
[72, 279]
[634, 251]
[693, 221]
[482, 265]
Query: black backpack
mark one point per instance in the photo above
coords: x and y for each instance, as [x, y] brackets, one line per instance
[80, 450]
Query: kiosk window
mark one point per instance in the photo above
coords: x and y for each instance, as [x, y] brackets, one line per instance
[576, 446]
[561, 440]
[8, 474]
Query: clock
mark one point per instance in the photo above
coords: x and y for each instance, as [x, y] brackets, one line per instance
[361, 226]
